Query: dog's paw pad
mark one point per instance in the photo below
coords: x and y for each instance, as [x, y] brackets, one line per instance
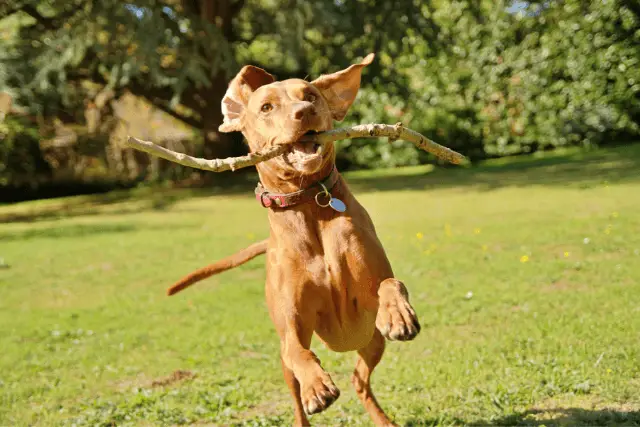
[319, 394]
[396, 319]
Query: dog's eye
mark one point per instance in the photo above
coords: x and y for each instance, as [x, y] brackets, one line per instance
[266, 108]
[309, 97]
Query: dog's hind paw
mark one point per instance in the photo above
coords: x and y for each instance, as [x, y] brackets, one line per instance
[396, 320]
[319, 394]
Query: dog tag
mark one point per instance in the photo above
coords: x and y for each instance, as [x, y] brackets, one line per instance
[337, 205]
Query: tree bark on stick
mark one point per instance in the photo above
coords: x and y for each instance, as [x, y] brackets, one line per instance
[212, 165]
[393, 132]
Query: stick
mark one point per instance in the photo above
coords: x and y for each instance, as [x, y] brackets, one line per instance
[213, 165]
[393, 132]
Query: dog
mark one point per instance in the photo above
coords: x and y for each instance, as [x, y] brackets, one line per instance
[327, 272]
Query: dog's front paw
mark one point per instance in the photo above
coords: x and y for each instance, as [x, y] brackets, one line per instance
[319, 393]
[396, 319]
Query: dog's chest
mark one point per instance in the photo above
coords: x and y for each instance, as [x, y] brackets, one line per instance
[351, 260]
[339, 251]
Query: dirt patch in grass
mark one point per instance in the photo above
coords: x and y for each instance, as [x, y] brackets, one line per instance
[176, 376]
[564, 285]
[141, 381]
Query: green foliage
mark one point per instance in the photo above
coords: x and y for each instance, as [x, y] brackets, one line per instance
[164, 44]
[575, 76]
[482, 77]
[21, 161]
[515, 83]
[115, 43]
[376, 107]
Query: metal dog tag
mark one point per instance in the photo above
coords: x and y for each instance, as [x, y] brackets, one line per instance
[337, 205]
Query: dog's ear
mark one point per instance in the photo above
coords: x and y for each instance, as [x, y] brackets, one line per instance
[240, 89]
[340, 89]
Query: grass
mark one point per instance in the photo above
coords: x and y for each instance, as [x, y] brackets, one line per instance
[525, 274]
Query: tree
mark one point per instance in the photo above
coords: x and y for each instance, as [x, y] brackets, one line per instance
[537, 76]
[575, 73]
[487, 78]
[180, 54]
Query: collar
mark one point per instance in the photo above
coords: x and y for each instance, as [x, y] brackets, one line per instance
[284, 200]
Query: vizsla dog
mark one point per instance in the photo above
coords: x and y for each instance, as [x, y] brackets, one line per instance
[327, 272]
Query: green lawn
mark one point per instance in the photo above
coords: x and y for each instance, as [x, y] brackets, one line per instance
[525, 274]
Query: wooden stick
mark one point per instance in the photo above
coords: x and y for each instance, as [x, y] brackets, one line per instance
[213, 165]
[393, 132]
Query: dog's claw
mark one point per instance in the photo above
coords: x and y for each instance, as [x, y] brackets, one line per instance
[319, 395]
[396, 319]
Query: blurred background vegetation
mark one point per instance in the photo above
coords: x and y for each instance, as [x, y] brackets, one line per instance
[488, 78]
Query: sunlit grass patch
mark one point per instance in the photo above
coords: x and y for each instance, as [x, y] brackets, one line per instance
[529, 306]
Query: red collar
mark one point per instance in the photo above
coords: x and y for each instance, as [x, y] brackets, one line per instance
[283, 200]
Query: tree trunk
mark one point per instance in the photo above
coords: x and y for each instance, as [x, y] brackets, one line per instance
[220, 13]
[216, 144]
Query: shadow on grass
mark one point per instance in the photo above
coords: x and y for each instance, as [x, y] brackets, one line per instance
[565, 417]
[120, 202]
[77, 230]
[570, 417]
[574, 169]
[577, 169]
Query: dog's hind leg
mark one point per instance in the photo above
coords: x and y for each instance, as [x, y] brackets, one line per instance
[368, 358]
[396, 319]
[294, 387]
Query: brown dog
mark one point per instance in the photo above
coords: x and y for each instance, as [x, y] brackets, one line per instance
[326, 269]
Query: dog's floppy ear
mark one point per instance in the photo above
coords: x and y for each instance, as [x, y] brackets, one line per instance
[340, 89]
[240, 89]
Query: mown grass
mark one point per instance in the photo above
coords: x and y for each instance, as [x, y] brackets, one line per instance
[525, 274]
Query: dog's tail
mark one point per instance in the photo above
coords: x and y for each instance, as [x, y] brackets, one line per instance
[224, 264]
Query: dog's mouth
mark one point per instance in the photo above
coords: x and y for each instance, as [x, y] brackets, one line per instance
[306, 151]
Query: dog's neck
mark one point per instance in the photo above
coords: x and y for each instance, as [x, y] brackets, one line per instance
[278, 180]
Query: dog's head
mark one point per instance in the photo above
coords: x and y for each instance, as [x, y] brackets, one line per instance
[269, 112]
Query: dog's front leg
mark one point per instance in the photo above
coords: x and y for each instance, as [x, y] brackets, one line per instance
[396, 319]
[294, 388]
[316, 389]
[294, 311]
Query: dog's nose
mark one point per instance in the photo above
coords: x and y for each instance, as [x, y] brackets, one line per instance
[300, 110]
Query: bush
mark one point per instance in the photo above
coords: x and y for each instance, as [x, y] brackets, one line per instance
[21, 161]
